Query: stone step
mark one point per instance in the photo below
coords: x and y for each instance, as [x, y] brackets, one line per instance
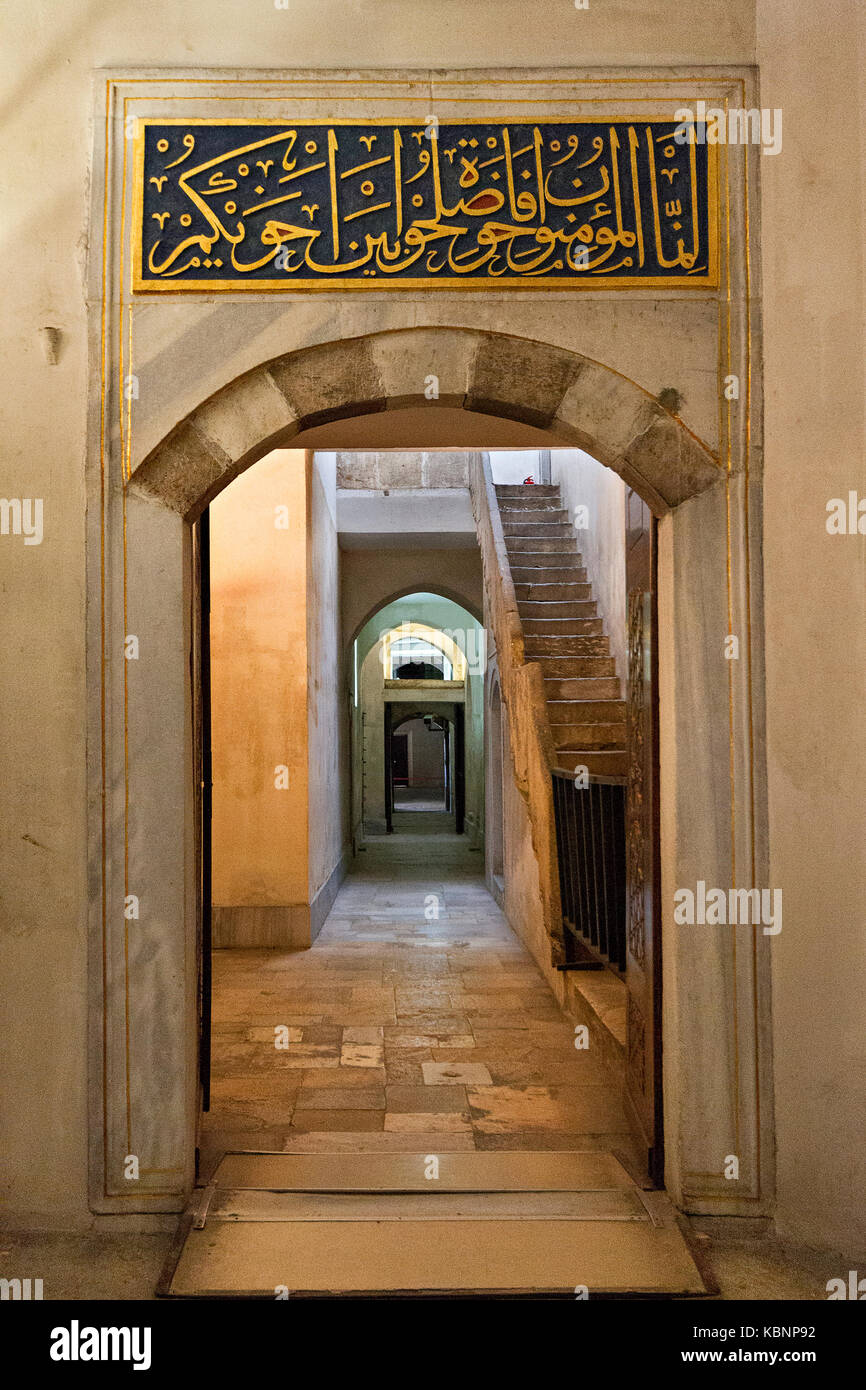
[544, 509]
[527, 490]
[540, 515]
[543, 530]
[560, 628]
[586, 711]
[602, 763]
[535, 545]
[609, 736]
[357, 1173]
[566, 646]
[550, 608]
[576, 667]
[553, 593]
[565, 569]
[581, 688]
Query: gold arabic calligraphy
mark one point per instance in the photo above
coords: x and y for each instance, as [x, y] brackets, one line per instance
[321, 204]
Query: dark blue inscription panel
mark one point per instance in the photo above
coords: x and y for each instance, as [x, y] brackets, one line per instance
[268, 206]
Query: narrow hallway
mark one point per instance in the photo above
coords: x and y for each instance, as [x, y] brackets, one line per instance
[416, 1021]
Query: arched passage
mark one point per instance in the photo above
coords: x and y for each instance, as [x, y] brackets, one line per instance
[425, 583]
[383, 701]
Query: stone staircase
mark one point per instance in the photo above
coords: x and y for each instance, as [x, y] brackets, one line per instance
[562, 630]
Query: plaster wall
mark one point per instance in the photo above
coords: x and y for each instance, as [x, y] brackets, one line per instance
[428, 518]
[438, 468]
[369, 579]
[584, 482]
[426, 752]
[259, 688]
[510, 467]
[813, 62]
[328, 811]
[186, 350]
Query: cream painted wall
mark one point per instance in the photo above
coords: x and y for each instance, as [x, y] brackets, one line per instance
[813, 60]
[584, 482]
[328, 812]
[259, 684]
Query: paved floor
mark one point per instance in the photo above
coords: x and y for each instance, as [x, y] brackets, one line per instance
[417, 1021]
[419, 799]
[390, 999]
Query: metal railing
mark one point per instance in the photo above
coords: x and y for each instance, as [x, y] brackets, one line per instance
[590, 842]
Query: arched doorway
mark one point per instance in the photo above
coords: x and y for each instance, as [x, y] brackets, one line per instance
[144, 587]
[421, 653]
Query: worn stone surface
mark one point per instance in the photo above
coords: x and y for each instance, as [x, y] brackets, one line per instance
[494, 1066]
[674, 463]
[529, 386]
[330, 381]
[183, 469]
[255, 409]
[407, 361]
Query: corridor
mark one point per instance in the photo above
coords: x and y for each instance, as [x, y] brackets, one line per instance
[416, 1022]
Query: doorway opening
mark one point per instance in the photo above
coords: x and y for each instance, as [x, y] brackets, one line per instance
[410, 712]
[418, 720]
[357, 386]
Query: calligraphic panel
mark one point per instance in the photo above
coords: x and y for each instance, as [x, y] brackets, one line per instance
[234, 205]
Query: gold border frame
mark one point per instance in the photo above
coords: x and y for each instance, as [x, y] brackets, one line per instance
[140, 286]
[722, 297]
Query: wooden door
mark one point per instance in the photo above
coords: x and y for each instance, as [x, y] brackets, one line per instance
[459, 768]
[203, 782]
[643, 876]
[389, 768]
[400, 759]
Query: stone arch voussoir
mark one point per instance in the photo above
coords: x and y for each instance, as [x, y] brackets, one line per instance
[576, 399]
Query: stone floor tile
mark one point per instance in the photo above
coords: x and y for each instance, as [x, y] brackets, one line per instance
[362, 1055]
[322, 1121]
[443, 1122]
[336, 1098]
[588, 1109]
[406, 1066]
[268, 1035]
[362, 1035]
[455, 1074]
[343, 1077]
[435, 1023]
[327, 1033]
[406, 1098]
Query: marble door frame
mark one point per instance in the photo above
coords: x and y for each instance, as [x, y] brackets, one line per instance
[194, 391]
